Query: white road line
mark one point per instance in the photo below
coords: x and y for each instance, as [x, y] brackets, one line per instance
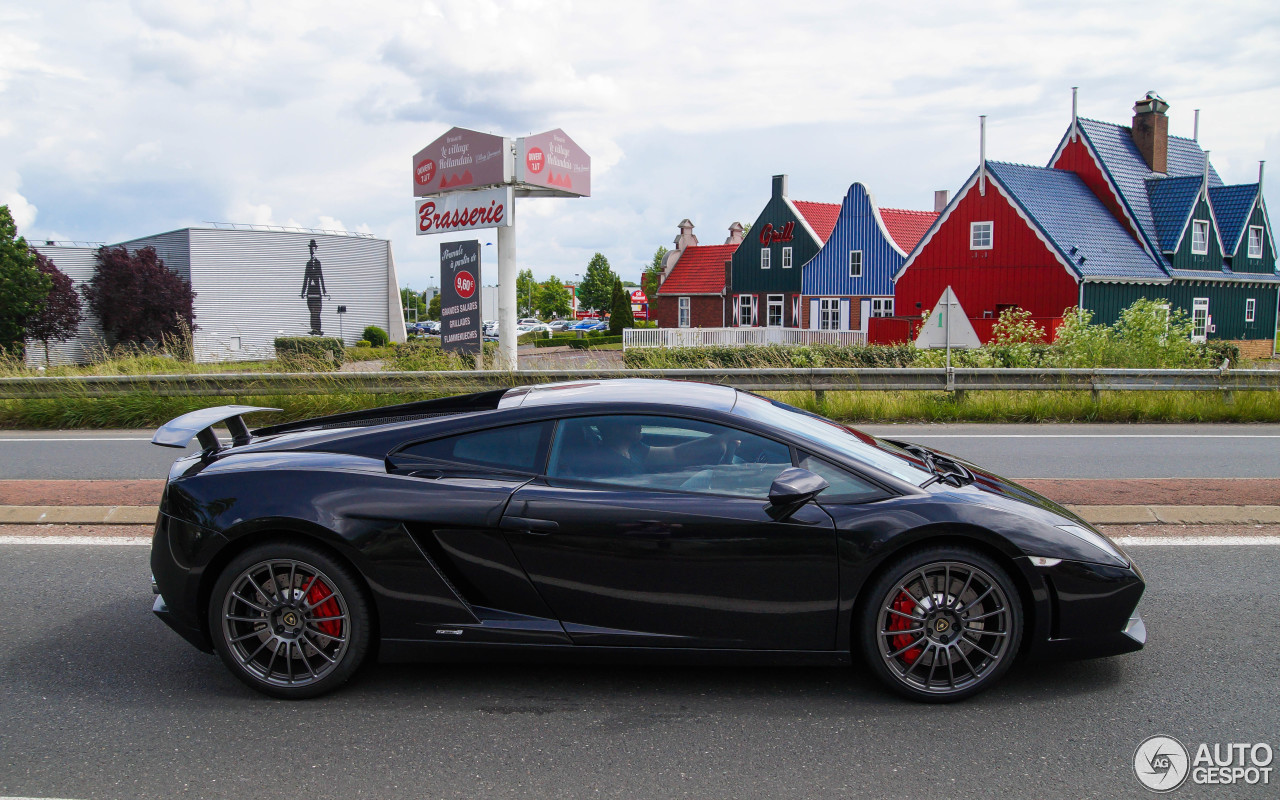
[1195, 541]
[115, 541]
[75, 439]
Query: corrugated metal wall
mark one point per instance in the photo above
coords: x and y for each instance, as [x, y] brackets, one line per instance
[173, 248]
[827, 273]
[249, 284]
[1226, 304]
[78, 264]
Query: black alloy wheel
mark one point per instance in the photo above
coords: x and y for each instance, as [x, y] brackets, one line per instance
[289, 620]
[941, 624]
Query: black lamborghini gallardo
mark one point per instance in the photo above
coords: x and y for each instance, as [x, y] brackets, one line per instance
[631, 519]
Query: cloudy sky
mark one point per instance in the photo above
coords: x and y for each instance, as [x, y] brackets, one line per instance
[123, 119]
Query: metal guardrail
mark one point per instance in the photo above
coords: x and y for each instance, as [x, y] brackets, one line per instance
[736, 337]
[757, 379]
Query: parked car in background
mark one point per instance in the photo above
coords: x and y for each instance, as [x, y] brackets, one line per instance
[585, 325]
[528, 321]
[558, 325]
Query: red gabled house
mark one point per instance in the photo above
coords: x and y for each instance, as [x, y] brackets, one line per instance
[692, 293]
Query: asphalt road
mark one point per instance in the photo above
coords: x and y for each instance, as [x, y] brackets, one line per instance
[1017, 451]
[101, 700]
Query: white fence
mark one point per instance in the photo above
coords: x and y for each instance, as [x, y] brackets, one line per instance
[735, 337]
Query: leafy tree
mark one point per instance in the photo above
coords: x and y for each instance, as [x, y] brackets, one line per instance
[526, 293]
[620, 315]
[61, 316]
[23, 287]
[137, 299]
[410, 299]
[651, 279]
[596, 290]
[433, 308]
[553, 299]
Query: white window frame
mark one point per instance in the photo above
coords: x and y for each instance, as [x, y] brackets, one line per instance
[771, 301]
[786, 258]
[855, 256]
[1200, 226]
[684, 312]
[882, 306]
[1198, 303]
[1255, 252]
[744, 310]
[829, 313]
[1250, 309]
[987, 227]
[765, 257]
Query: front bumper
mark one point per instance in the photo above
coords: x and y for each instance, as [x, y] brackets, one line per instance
[1092, 611]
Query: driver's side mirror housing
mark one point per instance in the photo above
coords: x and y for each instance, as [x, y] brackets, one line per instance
[793, 488]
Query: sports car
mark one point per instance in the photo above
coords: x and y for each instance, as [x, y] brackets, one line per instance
[624, 519]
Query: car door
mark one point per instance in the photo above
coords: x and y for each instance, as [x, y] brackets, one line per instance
[672, 543]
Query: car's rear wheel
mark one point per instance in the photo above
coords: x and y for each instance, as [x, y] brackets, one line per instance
[289, 620]
[941, 624]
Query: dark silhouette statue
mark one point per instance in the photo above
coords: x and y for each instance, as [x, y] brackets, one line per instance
[313, 289]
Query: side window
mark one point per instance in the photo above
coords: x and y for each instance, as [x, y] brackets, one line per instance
[666, 453]
[515, 448]
[845, 486]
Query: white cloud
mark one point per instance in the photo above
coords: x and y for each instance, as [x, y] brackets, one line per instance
[124, 119]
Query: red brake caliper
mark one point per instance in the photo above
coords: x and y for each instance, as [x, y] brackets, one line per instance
[329, 608]
[905, 604]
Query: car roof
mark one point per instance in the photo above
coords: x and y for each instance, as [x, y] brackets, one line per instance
[624, 390]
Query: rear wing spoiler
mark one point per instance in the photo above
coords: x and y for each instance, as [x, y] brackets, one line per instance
[179, 432]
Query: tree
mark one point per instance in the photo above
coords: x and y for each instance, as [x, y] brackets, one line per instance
[23, 287]
[651, 279]
[597, 285]
[137, 299]
[553, 299]
[410, 299]
[433, 308]
[526, 293]
[620, 315]
[61, 316]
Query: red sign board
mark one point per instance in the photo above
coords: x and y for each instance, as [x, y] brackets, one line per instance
[638, 296]
[553, 161]
[770, 234]
[460, 160]
[465, 283]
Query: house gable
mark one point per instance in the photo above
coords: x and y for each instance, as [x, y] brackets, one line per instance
[1241, 262]
[1075, 155]
[1183, 258]
[778, 213]
[860, 227]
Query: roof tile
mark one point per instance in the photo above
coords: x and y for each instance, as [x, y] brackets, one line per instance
[907, 227]
[1231, 207]
[699, 270]
[1171, 200]
[820, 216]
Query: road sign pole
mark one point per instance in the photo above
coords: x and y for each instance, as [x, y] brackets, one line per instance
[507, 357]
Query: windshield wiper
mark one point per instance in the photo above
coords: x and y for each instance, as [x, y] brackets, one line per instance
[944, 468]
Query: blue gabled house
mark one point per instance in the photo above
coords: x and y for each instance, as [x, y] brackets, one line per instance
[850, 280]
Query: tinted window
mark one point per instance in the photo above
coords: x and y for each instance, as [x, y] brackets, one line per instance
[845, 486]
[825, 432]
[518, 448]
[667, 453]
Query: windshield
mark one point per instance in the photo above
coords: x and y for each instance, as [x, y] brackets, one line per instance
[818, 430]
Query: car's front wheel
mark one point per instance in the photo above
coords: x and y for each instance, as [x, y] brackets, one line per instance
[941, 624]
[289, 619]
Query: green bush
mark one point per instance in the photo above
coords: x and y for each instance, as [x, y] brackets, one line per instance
[310, 352]
[376, 336]
[426, 354]
[364, 343]
[591, 341]
[820, 355]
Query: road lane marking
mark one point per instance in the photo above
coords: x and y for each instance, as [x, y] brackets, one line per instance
[1195, 541]
[46, 440]
[116, 541]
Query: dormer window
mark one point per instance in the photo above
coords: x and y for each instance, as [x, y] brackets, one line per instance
[1199, 237]
[981, 235]
[1255, 241]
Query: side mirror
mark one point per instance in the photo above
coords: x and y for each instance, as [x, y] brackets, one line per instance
[793, 488]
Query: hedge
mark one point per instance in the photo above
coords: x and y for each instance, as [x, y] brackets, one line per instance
[310, 351]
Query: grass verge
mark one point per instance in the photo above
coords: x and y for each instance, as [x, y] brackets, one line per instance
[145, 410]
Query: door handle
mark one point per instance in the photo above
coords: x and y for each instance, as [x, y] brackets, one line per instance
[529, 525]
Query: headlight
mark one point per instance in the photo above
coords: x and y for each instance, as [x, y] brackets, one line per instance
[1097, 540]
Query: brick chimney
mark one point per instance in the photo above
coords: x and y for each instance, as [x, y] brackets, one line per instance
[1151, 131]
[735, 234]
[940, 199]
[683, 240]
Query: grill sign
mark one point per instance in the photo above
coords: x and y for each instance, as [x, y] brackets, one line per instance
[770, 234]
[459, 300]
[464, 211]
